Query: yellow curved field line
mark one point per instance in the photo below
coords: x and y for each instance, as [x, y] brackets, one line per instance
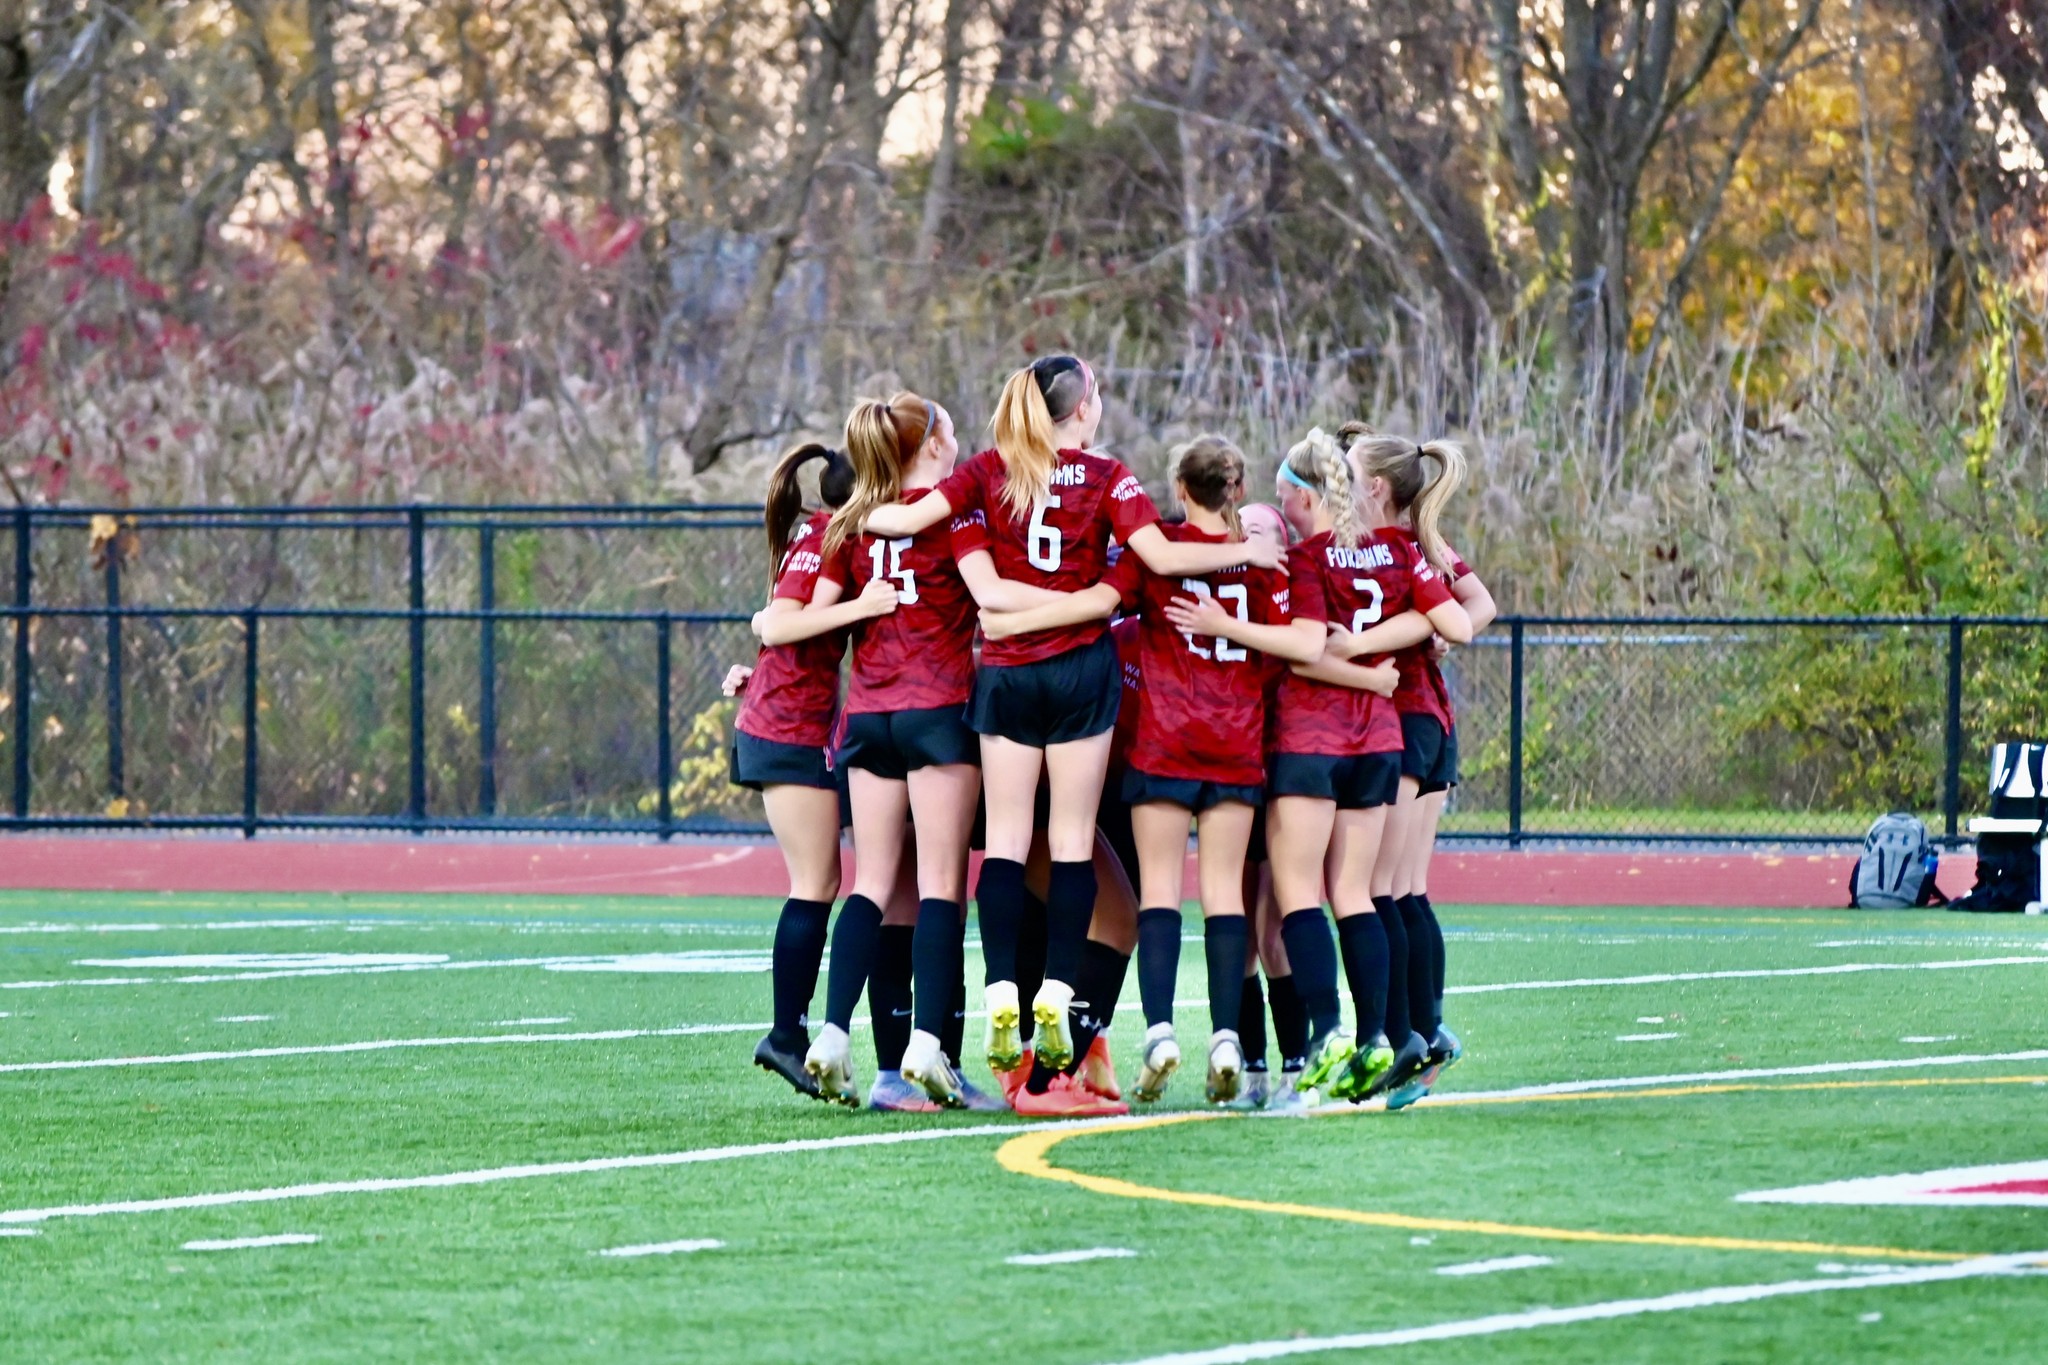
[1026, 1155]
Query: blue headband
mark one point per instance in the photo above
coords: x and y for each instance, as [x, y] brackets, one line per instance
[1290, 476]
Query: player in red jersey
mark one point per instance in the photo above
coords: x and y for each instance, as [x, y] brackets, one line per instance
[785, 720]
[1337, 764]
[1048, 699]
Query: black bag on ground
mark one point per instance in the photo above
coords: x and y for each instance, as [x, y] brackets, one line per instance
[2008, 875]
[1896, 868]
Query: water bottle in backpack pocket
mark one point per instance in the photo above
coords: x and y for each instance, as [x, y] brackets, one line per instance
[1896, 869]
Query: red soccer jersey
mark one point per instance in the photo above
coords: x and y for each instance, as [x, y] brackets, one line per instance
[1422, 691]
[1061, 544]
[921, 655]
[1205, 698]
[1355, 589]
[795, 688]
[1125, 633]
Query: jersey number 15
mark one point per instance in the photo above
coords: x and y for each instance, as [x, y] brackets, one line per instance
[906, 594]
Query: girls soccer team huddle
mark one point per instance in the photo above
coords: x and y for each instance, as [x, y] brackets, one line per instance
[1286, 702]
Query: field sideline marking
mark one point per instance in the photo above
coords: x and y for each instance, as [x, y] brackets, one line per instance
[1026, 1156]
[1495, 1323]
[1575, 983]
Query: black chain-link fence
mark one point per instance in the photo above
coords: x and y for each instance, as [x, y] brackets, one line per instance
[558, 669]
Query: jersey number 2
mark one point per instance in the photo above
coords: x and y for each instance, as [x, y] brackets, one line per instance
[907, 593]
[1233, 596]
[1042, 546]
[1368, 614]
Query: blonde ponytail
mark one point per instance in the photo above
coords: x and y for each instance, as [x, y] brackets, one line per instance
[1400, 463]
[1024, 435]
[881, 440]
[1317, 461]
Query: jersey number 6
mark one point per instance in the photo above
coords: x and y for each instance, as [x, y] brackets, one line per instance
[907, 594]
[1042, 547]
[1370, 613]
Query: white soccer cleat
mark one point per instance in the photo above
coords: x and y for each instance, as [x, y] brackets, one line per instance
[1053, 1038]
[1157, 1063]
[830, 1064]
[1005, 1034]
[925, 1064]
[1226, 1066]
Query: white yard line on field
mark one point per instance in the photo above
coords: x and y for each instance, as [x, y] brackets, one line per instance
[1496, 1323]
[665, 1248]
[1751, 973]
[1498, 1264]
[281, 1239]
[1744, 1074]
[1071, 1257]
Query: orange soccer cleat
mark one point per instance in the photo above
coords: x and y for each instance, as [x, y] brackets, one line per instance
[1065, 1099]
[1098, 1073]
[1012, 1082]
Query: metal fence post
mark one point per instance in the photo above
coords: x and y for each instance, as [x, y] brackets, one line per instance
[487, 670]
[117, 759]
[416, 630]
[664, 743]
[1517, 687]
[250, 706]
[1952, 772]
[24, 577]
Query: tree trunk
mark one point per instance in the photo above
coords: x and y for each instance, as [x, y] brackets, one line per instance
[940, 189]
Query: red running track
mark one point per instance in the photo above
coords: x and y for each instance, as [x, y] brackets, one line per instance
[728, 868]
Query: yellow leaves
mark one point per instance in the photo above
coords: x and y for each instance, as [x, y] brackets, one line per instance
[117, 809]
[52, 728]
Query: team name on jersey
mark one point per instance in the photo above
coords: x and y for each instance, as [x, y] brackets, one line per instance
[1133, 679]
[1069, 475]
[974, 518]
[1374, 556]
[1127, 489]
[803, 561]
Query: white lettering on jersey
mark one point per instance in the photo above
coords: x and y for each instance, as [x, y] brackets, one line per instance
[1374, 556]
[1069, 475]
[802, 561]
[1127, 488]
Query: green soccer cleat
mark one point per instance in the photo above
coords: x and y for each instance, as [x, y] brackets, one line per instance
[1005, 1027]
[1365, 1074]
[1327, 1057]
[1053, 1039]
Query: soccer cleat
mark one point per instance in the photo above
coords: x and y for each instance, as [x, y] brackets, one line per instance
[1005, 1042]
[1288, 1099]
[925, 1065]
[1013, 1081]
[893, 1094]
[1327, 1057]
[1156, 1064]
[1097, 1073]
[1365, 1075]
[1253, 1093]
[786, 1064]
[830, 1064]
[1226, 1066]
[1064, 1099]
[1054, 1037]
[1444, 1049]
[1411, 1059]
[979, 1101]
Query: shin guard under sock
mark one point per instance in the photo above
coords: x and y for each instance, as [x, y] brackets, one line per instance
[1069, 906]
[1363, 940]
[800, 935]
[1251, 1024]
[1422, 959]
[1398, 967]
[854, 941]
[999, 907]
[1314, 959]
[1158, 962]
[1030, 958]
[938, 954]
[1224, 938]
[1101, 981]
[1436, 944]
[889, 994]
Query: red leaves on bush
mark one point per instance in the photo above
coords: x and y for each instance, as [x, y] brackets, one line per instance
[603, 243]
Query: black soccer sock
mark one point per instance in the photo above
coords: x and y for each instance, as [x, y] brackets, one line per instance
[1314, 959]
[1100, 981]
[1224, 938]
[1069, 905]
[854, 941]
[889, 994]
[1041, 1076]
[1363, 940]
[1436, 939]
[939, 956]
[1158, 962]
[1389, 915]
[953, 1033]
[1425, 951]
[1290, 1022]
[999, 907]
[1030, 958]
[800, 936]
[1251, 1024]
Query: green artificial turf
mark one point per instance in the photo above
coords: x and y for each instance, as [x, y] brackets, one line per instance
[897, 1251]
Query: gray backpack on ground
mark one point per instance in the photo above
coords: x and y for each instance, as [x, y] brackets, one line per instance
[1896, 870]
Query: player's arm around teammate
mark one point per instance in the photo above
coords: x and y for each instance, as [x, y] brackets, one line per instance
[1047, 700]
